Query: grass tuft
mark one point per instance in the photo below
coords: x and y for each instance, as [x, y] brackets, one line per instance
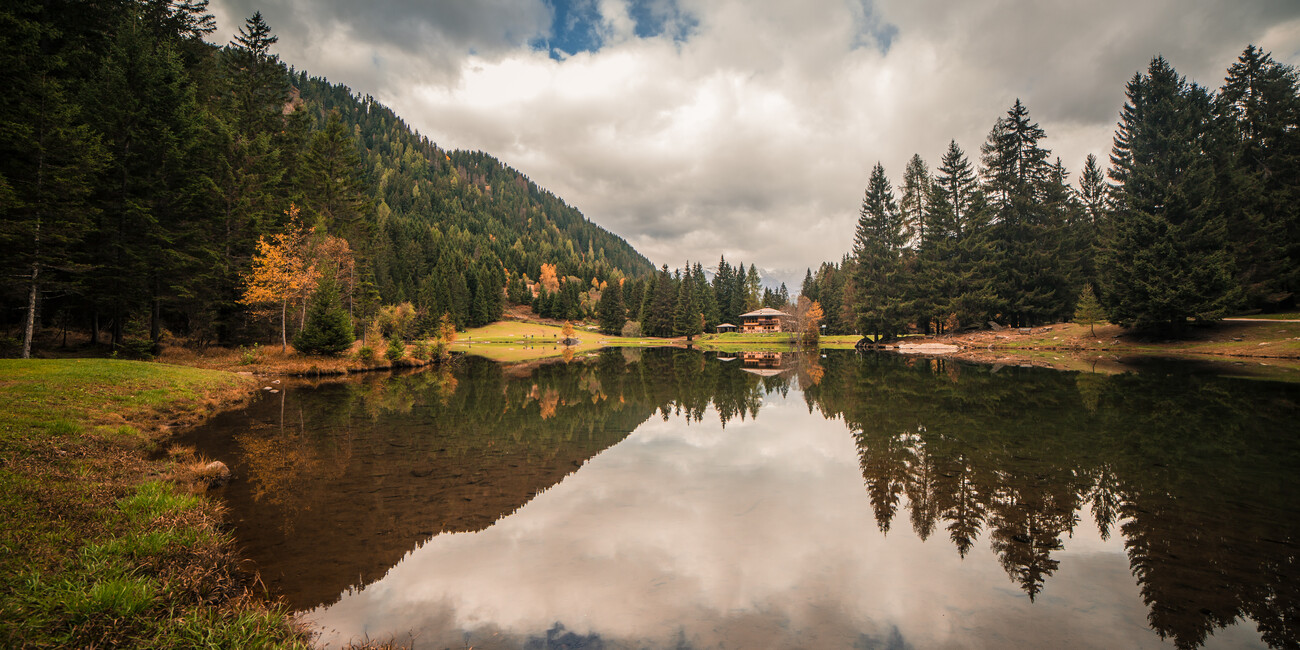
[63, 427]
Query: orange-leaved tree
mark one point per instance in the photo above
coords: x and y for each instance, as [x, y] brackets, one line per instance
[808, 317]
[549, 279]
[282, 271]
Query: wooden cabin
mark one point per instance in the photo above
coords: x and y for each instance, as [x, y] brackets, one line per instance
[725, 328]
[766, 320]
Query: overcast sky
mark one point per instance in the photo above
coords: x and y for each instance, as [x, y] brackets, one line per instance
[695, 128]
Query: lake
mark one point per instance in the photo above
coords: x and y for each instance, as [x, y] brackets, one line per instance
[675, 499]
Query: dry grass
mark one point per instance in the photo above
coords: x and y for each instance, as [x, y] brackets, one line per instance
[1105, 347]
[260, 360]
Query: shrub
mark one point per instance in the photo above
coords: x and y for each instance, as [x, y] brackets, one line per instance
[396, 349]
[366, 354]
[632, 329]
[421, 350]
[397, 320]
[249, 356]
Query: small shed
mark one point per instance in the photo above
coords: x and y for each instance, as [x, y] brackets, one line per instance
[725, 328]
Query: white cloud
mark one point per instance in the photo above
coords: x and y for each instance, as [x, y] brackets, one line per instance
[753, 136]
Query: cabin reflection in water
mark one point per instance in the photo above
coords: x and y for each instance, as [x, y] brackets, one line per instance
[767, 364]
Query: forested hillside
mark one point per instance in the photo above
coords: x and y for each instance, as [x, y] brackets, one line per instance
[140, 166]
[1200, 218]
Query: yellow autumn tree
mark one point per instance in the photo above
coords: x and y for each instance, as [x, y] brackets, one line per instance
[568, 331]
[549, 279]
[808, 317]
[282, 271]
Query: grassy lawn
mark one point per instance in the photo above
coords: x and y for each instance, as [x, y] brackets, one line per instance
[516, 341]
[98, 547]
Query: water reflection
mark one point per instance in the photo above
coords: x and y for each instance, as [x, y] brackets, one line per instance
[1197, 471]
[1084, 510]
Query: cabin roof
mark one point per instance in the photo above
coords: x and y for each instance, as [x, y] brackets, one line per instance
[724, 325]
[766, 311]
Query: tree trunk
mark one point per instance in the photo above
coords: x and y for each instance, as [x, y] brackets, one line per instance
[94, 328]
[284, 315]
[31, 309]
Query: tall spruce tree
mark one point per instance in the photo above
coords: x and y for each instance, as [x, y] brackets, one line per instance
[1093, 199]
[335, 192]
[611, 312]
[1165, 258]
[1257, 165]
[259, 84]
[686, 313]
[704, 297]
[912, 205]
[955, 268]
[1027, 233]
[876, 247]
[753, 289]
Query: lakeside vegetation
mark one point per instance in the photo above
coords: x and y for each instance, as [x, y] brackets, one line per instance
[103, 546]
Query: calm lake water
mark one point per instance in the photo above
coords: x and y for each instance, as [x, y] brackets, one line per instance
[673, 499]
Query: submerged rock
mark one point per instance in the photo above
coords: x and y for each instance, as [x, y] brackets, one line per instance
[216, 474]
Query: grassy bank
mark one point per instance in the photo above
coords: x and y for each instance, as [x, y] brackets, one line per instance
[518, 341]
[1261, 348]
[780, 341]
[272, 360]
[99, 545]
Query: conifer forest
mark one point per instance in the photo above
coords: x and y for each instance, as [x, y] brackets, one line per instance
[153, 184]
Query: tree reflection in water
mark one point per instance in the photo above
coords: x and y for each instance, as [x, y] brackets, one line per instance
[1197, 471]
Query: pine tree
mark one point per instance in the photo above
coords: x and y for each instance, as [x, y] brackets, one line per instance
[336, 196]
[1257, 165]
[704, 297]
[147, 244]
[912, 206]
[722, 292]
[753, 286]
[738, 295]
[877, 246]
[1094, 209]
[686, 313]
[328, 329]
[1165, 258]
[612, 313]
[1088, 310]
[1027, 233]
[809, 286]
[665, 299]
[259, 86]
